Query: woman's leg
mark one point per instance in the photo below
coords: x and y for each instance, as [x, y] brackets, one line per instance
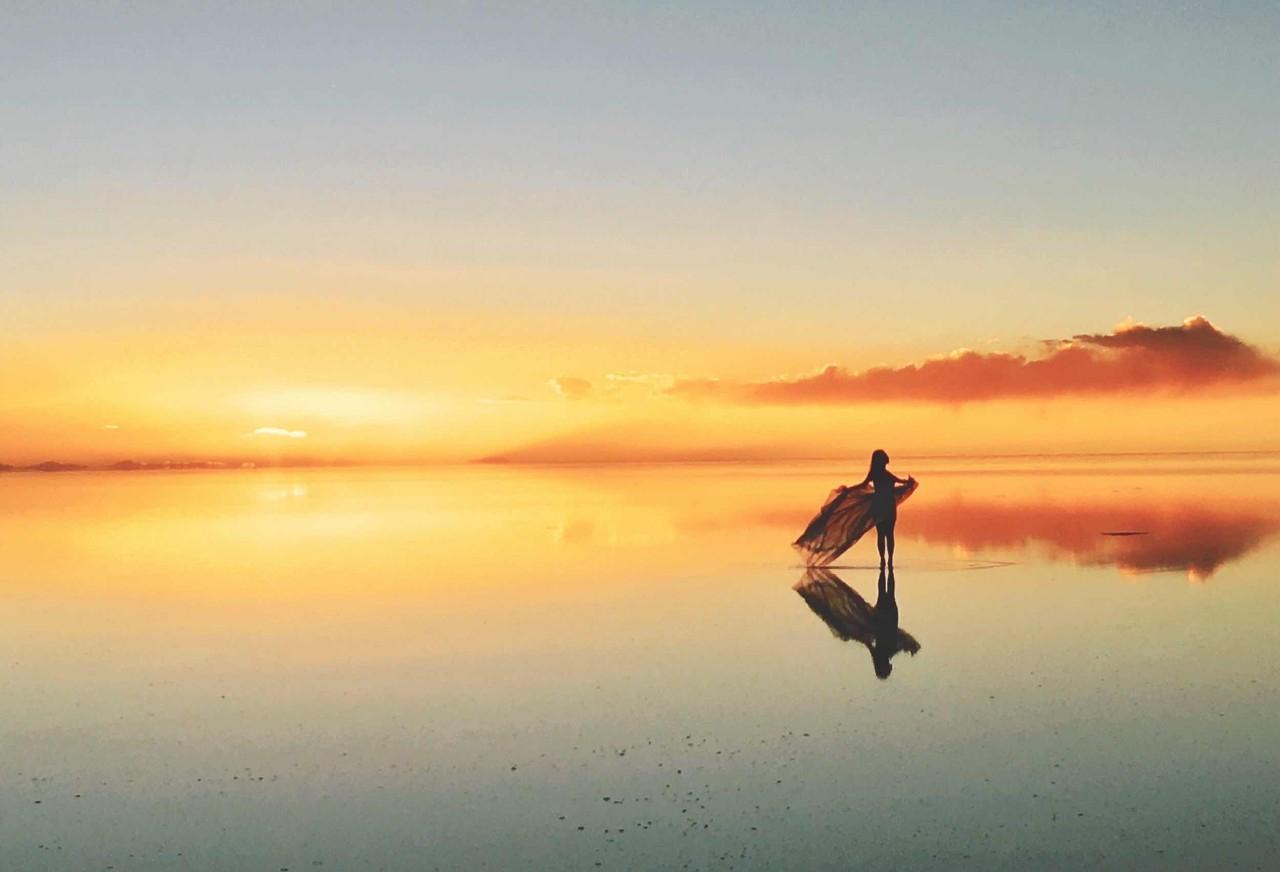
[889, 538]
[880, 531]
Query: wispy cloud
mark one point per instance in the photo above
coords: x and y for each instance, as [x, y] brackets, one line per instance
[504, 400]
[654, 381]
[1192, 356]
[615, 386]
[279, 432]
[571, 387]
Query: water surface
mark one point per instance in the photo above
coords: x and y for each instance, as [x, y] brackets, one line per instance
[594, 667]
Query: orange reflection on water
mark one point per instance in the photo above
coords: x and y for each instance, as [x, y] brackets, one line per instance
[1189, 536]
[443, 534]
[1183, 518]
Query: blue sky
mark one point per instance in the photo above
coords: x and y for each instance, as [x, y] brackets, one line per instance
[959, 170]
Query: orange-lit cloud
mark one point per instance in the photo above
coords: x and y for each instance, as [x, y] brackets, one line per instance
[280, 432]
[1193, 356]
[616, 386]
[571, 387]
[654, 381]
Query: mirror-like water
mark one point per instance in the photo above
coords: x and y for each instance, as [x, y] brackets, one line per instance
[498, 668]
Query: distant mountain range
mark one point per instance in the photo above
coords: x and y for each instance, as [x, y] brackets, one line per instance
[47, 466]
[139, 466]
[132, 465]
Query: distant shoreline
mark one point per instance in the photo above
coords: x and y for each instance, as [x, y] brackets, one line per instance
[53, 466]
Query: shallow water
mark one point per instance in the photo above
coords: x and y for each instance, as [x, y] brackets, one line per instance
[585, 667]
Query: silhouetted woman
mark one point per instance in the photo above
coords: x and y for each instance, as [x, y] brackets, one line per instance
[849, 512]
[884, 505]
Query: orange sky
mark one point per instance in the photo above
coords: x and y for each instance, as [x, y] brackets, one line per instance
[265, 380]
[432, 232]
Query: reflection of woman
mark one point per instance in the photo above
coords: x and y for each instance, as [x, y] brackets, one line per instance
[888, 636]
[852, 619]
[849, 512]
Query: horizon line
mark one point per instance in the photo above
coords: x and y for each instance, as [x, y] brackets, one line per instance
[241, 464]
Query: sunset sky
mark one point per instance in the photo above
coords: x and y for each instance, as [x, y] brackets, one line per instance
[422, 232]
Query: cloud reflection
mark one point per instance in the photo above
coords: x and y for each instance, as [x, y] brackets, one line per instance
[1190, 537]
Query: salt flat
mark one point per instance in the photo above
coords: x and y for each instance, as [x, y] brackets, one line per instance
[581, 667]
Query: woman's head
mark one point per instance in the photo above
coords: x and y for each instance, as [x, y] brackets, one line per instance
[879, 459]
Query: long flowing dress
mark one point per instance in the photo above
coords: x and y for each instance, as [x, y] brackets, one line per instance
[848, 513]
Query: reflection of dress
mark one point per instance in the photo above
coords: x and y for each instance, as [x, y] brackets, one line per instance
[851, 618]
[848, 513]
